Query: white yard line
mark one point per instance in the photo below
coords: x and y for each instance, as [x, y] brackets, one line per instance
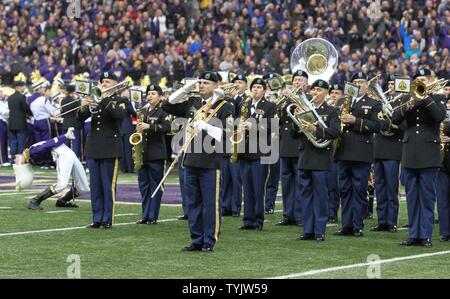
[56, 212]
[5, 208]
[351, 266]
[125, 214]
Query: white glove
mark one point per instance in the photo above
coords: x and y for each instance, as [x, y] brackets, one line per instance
[70, 134]
[212, 131]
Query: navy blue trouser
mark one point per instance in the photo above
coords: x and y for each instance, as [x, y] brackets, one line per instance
[353, 184]
[3, 142]
[103, 179]
[230, 187]
[443, 202]
[420, 186]
[126, 163]
[272, 185]
[290, 184]
[181, 177]
[254, 180]
[75, 144]
[149, 176]
[18, 140]
[42, 130]
[333, 191]
[314, 194]
[386, 190]
[202, 189]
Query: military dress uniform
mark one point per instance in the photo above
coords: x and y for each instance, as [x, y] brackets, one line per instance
[153, 157]
[354, 156]
[126, 129]
[421, 162]
[254, 173]
[387, 156]
[103, 150]
[314, 165]
[202, 172]
[70, 120]
[443, 191]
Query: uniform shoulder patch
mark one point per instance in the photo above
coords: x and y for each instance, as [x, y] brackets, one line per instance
[230, 120]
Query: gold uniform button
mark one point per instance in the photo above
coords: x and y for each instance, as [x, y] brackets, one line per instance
[417, 132]
[285, 129]
[418, 125]
[98, 129]
[417, 118]
[115, 135]
[98, 123]
[418, 110]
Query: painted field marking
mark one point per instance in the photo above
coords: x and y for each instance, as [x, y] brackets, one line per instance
[5, 208]
[56, 212]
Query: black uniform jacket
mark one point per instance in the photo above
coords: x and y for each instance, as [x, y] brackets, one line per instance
[70, 119]
[356, 143]
[154, 138]
[18, 111]
[314, 158]
[421, 142]
[104, 139]
[202, 159]
[288, 143]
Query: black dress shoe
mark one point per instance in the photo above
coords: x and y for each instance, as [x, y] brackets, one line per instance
[93, 225]
[184, 217]
[246, 227]
[192, 247]
[65, 204]
[236, 214]
[444, 238]
[409, 242]
[152, 221]
[106, 225]
[358, 233]
[300, 224]
[270, 211]
[283, 222]
[227, 213]
[320, 237]
[405, 225]
[345, 231]
[332, 220]
[142, 221]
[393, 229]
[379, 228]
[207, 248]
[306, 237]
[426, 243]
[34, 205]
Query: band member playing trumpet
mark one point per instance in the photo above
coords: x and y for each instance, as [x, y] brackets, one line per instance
[202, 169]
[387, 154]
[314, 164]
[103, 150]
[254, 173]
[420, 157]
[155, 124]
[354, 156]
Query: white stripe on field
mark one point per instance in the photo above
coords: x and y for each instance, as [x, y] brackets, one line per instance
[61, 211]
[125, 214]
[5, 208]
[334, 269]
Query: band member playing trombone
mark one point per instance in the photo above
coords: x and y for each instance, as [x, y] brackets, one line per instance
[254, 173]
[69, 103]
[354, 156]
[103, 150]
[423, 113]
[202, 167]
[153, 127]
[387, 154]
[314, 164]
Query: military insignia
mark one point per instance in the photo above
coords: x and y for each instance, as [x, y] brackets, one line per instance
[207, 76]
[259, 111]
[351, 89]
[402, 85]
[366, 111]
[122, 105]
[168, 118]
[106, 74]
[230, 120]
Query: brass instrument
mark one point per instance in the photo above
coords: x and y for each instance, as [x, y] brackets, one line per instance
[183, 91]
[238, 134]
[345, 109]
[307, 114]
[229, 89]
[375, 92]
[444, 145]
[97, 93]
[283, 98]
[201, 114]
[136, 141]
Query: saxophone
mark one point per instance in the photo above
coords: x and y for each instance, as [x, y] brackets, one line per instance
[238, 134]
[345, 109]
[444, 145]
[136, 141]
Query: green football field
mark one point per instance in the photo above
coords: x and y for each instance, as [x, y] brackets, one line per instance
[41, 244]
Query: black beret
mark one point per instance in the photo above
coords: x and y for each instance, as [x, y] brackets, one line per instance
[156, 88]
[239, 77]
[269, 76]
[359, 75]
[69, 88]
[299, 73]
[258, 81]
[210, 76]
[336, 86]
[391, 77]
[18, 83]
[447, 84]
[320, 83]
[422, 72]
[108, 75]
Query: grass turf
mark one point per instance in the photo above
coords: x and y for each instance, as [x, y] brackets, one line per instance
[153, 251]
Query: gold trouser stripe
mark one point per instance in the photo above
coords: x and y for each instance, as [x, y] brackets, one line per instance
[113, 187]
[217, 227]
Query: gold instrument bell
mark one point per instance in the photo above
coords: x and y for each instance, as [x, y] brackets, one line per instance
[317, 56]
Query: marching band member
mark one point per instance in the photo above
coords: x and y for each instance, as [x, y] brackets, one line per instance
[421, 160]
[355, 156]
[41, 107]
[18, 112]
[67, 165]
[103, 150]
[202, 169]
[255, 174]
[443, 186]
[314, 164]
[231, 183]
[4, 115]
[387, 155]
[289, 160]
[70, 120]
[126, 129]
[154, 126]
[336, 92]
